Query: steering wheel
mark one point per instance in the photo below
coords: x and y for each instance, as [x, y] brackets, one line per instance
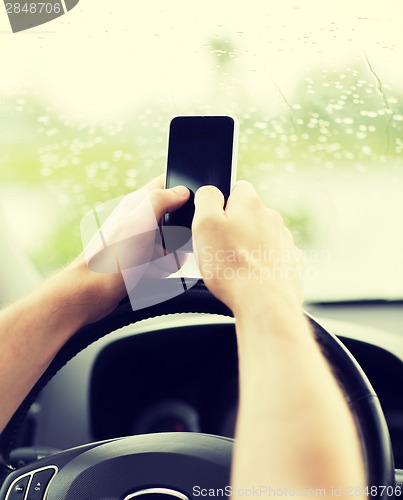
[173, 464]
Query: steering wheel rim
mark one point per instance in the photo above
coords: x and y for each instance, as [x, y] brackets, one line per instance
[360, 395]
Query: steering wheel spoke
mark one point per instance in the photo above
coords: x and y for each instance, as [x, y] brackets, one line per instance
[123, 468]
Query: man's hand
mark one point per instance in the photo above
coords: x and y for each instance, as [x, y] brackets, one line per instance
[129, 237]
[245, 250]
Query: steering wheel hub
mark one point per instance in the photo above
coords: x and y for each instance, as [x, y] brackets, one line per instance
[157, 494]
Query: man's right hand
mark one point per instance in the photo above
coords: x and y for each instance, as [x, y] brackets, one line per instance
[245, 251]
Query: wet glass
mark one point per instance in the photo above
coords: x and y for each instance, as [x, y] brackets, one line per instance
[86, 100]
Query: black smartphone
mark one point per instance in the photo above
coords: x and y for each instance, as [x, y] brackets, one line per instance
[201, 150]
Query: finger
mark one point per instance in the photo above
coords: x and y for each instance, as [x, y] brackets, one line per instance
[168, 200]
[243, 194]
[156, 183]
[135, 197]
[209, 204]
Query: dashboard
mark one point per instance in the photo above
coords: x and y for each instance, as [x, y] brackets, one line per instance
[179, 373]
[172, 377]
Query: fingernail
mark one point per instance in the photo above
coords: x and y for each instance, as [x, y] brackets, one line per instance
[181, 190]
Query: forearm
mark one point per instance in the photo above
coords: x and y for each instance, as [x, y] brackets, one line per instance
[294, 428]
[33, 330]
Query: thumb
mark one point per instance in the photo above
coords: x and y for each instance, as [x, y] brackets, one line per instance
[168, 200]
[209, 204]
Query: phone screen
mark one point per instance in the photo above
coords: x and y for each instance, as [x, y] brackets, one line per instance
[200, 152]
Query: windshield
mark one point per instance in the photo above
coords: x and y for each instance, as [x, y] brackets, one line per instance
[85, 102]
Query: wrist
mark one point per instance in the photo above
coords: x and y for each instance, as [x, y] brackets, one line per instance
[77, 296]
[265, 320]
[91, 295]
[265, 301]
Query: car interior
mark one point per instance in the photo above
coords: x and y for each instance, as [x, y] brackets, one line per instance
[85, 105]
